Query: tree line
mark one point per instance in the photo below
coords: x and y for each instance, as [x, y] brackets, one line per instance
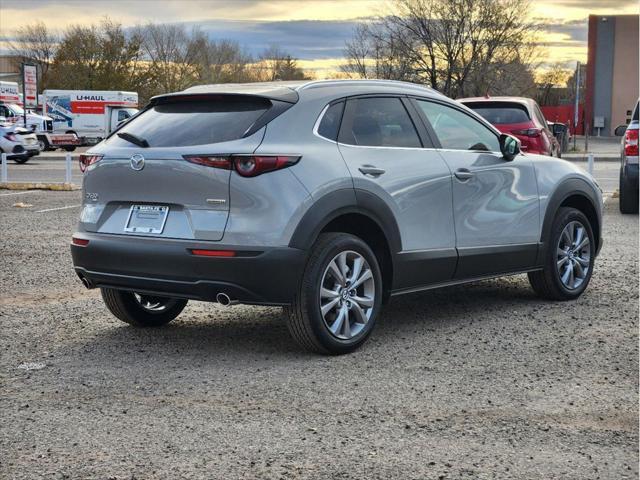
[149, 59]
[458, 47]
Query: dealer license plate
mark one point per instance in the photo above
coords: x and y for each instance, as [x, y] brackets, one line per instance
[146, 219]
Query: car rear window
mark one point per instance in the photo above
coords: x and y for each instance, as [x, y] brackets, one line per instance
[185, 122]
[501, 113]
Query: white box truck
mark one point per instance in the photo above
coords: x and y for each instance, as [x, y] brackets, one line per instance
[89, 114]
[11, 111]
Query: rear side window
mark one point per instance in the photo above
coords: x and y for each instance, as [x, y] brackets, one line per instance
[330, 123]
[185, 122]
[380, 122]
[501, 113]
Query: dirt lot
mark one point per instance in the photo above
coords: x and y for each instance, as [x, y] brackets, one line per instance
[473, 382]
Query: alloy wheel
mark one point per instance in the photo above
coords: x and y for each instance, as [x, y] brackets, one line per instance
[573, 255]
[347, 294]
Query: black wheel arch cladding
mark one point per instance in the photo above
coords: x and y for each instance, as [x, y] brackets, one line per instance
[574, 192]
[342, 202]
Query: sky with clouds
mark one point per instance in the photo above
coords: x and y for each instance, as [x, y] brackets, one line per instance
[313, 31]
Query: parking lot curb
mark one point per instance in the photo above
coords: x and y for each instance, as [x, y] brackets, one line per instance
[56, 186]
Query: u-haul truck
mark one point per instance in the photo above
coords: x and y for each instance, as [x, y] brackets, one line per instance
[89, 114]
[11, 111]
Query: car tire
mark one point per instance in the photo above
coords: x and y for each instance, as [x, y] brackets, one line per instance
[628, 195]
[323, 318]
[130, 307]
[21, 160]
[69, 149]
[566, 275]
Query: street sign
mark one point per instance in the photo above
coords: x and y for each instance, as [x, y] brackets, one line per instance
[30, 85]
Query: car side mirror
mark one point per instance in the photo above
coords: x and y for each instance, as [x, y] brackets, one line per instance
[620, 130]
[509, 146]
[559, 128]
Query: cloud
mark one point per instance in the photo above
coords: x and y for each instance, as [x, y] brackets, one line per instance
[615, 5]
[303, 39]
[572, 30]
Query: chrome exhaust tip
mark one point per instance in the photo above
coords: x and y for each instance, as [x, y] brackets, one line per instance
[224, 300]
[86, 282]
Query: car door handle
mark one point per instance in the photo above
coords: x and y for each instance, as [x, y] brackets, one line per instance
[371, 170]
[463, 174]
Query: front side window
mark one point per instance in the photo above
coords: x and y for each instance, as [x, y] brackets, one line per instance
[380, 122]
[457, 130]
[123, 115]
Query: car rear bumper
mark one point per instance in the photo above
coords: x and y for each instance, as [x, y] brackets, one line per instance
[167, 267]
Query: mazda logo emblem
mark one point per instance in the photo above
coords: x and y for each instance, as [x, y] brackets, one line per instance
[137, 162]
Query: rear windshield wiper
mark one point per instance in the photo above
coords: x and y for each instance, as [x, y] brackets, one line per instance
[130, 137]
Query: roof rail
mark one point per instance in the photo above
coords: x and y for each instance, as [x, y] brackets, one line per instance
[370, 82]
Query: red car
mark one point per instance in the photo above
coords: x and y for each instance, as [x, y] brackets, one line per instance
[520, 117]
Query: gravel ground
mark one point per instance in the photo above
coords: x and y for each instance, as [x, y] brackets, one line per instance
[473, 382]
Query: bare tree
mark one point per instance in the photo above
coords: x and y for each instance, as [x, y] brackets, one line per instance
[551, 79]
[172, 55]
[376, 52]
[455, 46]
[221, 61]
[35, 43]
[276, 64]
[98, 56]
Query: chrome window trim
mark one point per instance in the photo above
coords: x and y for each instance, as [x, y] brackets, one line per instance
[316, 126]
[420, 148]
[379, 147]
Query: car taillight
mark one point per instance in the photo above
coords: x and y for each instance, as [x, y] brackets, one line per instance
[631, 143]
[86, 160]
[245, 165]
[528, 132]
[210, 161]
[11, 137]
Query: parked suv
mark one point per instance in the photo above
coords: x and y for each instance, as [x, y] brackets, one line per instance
[520, 117]
[324, 197]
[629, 164]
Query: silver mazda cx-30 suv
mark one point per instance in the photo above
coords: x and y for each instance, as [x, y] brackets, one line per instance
[327, 198]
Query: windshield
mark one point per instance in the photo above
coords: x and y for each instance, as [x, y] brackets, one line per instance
[501, 113]
[17, 109]
[182, 122]
[126, 113]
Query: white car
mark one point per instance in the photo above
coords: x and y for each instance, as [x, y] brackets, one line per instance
[18, 143]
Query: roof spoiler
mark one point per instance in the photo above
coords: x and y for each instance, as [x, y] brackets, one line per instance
[270, 92]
